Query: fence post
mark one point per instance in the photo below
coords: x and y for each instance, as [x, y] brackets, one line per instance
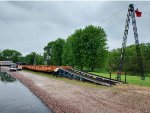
[125, 78]
[110, 79]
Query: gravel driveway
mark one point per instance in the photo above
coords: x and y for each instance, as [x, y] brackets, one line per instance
[63, 97]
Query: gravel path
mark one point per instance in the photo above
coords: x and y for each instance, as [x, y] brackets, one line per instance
[63, 97]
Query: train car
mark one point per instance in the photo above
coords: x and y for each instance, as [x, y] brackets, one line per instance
[43, 68]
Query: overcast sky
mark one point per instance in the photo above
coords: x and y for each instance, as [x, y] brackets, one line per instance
[29, 26]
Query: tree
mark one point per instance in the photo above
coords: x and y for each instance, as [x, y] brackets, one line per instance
[34, 59]
[48, 53]
[11, 55]
[53, 52]
[94, 41]
[39, 60]
[113, 59]
[145, 48]
[29, 59]
[68, 55]
[130, 60]
[1, 56]
[86, 47]
[78, 49]
[57, 51]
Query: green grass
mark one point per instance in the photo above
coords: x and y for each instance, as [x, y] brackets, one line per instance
[67, 80]
[136, 80]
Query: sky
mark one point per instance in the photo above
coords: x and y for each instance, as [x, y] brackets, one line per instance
[28, 26]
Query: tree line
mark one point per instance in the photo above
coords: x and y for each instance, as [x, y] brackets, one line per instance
[15, 56]
[130, 60]
[85, 48]
[10, 55]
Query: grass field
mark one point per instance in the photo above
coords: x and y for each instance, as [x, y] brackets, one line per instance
[136, 80]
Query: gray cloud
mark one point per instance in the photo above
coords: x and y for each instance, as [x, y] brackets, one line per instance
[29, 26]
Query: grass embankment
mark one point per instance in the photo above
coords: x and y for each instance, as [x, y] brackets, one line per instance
[136, 80]
[70, 81]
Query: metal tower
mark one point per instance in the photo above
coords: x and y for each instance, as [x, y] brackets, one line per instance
[130, 15]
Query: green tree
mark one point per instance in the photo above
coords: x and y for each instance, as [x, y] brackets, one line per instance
[39, 60]
[57, 51]
[34, 59]
[30, 58]
[11, 55]
[48, 53]
[145, 48]
[67, 55]
[86, 47]
[78, 49]
[53, 52]
[130, 60]
[113, 59]
[94, 41]
[1, 56]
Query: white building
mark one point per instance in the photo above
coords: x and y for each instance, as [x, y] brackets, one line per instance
[5, 63]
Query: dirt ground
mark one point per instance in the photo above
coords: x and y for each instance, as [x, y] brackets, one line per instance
[63, 97]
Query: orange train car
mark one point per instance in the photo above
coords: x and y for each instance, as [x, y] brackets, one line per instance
[43, 68]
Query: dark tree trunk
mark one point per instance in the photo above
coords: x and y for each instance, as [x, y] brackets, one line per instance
[92, 68]
[81, 68]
